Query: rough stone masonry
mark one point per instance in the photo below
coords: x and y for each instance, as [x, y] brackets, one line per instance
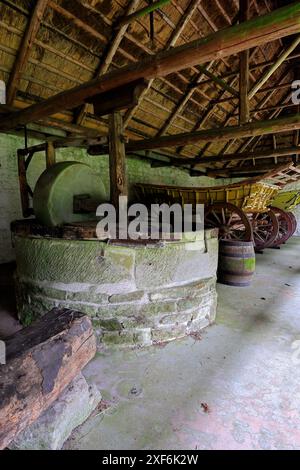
[136, 296]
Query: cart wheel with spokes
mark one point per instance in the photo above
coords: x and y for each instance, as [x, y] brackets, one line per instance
[232, 222]
[294, 221]
[286, 226]
[265, 229]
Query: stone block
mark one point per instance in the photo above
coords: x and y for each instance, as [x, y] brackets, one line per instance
[157, 308]
[126, 338]
[137, 296]
[165, 333]
[77, 261]
[57, 423]
[183, 291]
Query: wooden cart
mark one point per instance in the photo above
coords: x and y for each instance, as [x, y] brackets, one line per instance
[241, 211]
[284, 203]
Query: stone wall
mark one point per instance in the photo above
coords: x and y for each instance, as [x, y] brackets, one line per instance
[135, 295]
[10, 206]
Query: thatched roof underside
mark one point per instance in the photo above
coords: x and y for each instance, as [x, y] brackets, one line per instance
[72, 42]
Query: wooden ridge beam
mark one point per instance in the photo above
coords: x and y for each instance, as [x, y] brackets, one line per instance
[25, 49]
[279, 23]
[224, 134]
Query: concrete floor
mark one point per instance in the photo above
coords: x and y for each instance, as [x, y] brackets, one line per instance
[245, 368]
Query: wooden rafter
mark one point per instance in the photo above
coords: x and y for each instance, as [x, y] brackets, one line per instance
[244, 68]
[25, 49]
[171, 43]
[109, 55]
[261, 105]
[285, 54]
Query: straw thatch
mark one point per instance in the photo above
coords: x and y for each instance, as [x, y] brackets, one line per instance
[68, 52]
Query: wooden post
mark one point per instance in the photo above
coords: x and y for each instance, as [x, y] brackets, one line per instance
[26, 210]
[244, 68]
[117, 160]
[50, 154]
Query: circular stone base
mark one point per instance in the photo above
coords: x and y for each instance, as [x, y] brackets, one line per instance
[136, 295]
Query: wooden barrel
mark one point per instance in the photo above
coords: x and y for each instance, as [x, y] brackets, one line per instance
[236, 263]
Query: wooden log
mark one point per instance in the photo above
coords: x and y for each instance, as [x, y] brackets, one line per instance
[117, 160]
[280, 23]
[124, 97]
[41, 362]
[252, 129]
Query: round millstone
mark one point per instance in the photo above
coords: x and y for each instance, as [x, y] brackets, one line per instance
[55, 190]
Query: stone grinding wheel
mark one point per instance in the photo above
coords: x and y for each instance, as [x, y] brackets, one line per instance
[56, 188]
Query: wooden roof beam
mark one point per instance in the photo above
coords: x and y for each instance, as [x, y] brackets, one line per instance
[25, 49]
[274, 67]
[280, 23]
[272, 153]
[224, 134]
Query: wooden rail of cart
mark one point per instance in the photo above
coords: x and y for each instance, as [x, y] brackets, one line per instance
[241, 211]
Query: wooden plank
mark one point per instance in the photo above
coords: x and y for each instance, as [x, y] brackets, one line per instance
[280, 23]
[25, 49]
[117, 160]
[41, 362]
